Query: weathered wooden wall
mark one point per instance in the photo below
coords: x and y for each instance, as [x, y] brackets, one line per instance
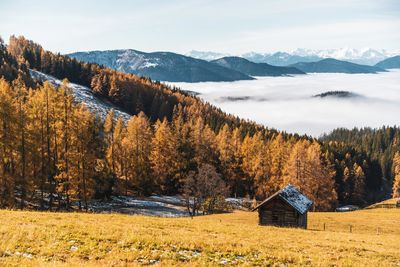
[277, 212]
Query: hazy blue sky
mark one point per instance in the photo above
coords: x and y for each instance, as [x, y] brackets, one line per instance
[225, 26]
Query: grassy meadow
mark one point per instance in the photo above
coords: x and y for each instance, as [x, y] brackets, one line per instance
[65, 239]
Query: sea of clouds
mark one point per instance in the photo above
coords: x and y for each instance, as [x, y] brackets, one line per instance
[287, 103]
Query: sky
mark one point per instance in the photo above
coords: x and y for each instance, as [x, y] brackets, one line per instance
[224, 26]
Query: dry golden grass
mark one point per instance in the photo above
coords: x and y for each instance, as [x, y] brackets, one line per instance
[58, 239]
[388, 202]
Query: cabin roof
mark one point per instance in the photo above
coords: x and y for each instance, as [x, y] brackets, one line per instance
[293, 197]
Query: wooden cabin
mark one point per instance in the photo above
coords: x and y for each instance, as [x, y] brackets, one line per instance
[287, 207]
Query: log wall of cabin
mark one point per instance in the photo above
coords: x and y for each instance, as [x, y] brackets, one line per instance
[278, 212]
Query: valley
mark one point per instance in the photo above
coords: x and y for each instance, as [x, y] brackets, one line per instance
[286, 103]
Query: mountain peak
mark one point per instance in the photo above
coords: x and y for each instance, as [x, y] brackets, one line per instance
[206, 55]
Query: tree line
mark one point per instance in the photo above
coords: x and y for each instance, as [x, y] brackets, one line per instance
[379, 145]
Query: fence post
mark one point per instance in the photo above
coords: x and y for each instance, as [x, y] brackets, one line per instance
[324, 227]
[351, 228]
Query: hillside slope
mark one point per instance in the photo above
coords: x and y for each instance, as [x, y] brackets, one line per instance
[331, 65]
[128, 92]
[255, 69]
[161, 66]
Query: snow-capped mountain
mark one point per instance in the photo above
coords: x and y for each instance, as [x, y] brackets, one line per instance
[161, 66]
[206, 55]
[84, 95]
[366, 56]
[279, 58]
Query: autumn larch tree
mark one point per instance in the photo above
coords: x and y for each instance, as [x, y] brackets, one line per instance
[138, 142]
[7, 116]
[358, 196]
[396, 179]
[164, 158]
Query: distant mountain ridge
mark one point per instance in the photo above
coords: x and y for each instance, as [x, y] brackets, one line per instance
[162, 66]
[255, 69]
[172, 67]
[366, 56]
[389, 63]
[330, 65]
[279, 58]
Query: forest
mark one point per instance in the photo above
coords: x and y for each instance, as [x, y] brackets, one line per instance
[55, 154]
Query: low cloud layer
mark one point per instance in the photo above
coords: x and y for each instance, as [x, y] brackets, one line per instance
[286, 103]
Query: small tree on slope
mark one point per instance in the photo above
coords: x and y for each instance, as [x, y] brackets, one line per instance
[203, 189]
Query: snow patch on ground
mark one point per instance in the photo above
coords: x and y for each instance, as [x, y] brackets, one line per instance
[159, 206]
[174, 200]
[239, 203]
[155, 205]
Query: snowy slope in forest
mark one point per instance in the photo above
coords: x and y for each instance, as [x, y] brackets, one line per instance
[85, 95]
